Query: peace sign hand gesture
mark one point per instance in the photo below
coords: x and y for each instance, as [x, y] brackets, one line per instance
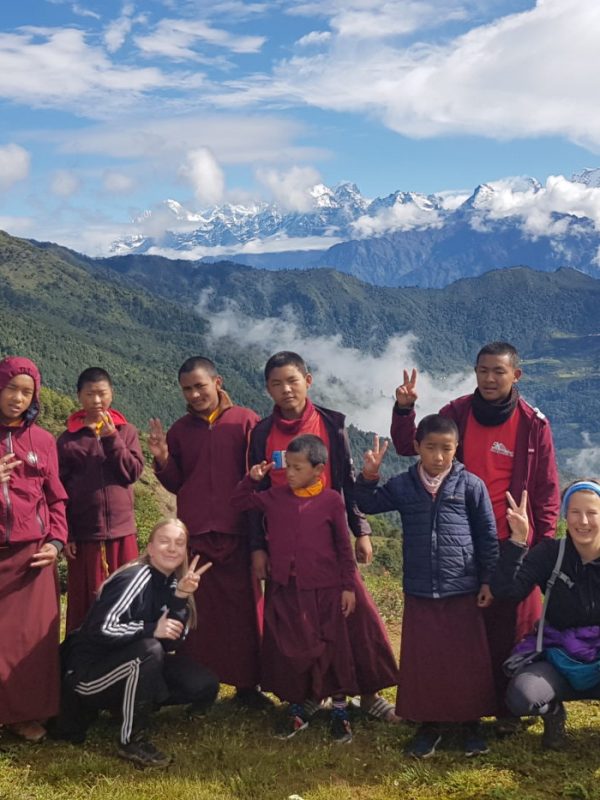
[516, 516]
[406, 394]
[190, 581]
[372, 459]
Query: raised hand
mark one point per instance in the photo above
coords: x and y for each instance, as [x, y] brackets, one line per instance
[191, 580]
[105, 425]
[406, 394]
[516, 516]
[157, 442]
[168, 628]
[7, 465]
[258, 471]
[372, 459]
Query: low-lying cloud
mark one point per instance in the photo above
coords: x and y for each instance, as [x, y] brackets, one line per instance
[359, 384]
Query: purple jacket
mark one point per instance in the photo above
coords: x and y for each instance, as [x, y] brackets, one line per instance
[308, 535]
[582, 644]
[206, 462]
[98, 473]
[534, 463]
[342, 471]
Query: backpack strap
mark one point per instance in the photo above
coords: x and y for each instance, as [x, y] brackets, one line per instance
[551, 581]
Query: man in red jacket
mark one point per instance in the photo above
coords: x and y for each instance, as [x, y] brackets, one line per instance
[100, 459]
[508, 444]
[201, 460]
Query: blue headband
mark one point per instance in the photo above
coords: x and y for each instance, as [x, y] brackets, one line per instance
[580, 486]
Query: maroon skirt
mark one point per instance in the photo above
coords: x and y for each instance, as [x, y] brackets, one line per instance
[445, 666]
[29, 634]
[94, 562]
[306, 651]
[372, 653]
[229, 603]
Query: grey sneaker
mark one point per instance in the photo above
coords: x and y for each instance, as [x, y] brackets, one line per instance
[554, 736]
[144, 754]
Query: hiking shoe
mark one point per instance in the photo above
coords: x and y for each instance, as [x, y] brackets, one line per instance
[475, 743]
[341, 730]
[253, 699]
[294, 722]
[554, 736]
[144, 754]
[423, 744]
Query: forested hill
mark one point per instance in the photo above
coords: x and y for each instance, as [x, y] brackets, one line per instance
[135, 314]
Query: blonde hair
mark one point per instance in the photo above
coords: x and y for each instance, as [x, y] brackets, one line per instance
[144, 558]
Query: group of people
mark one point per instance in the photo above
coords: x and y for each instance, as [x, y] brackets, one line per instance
[274, 501]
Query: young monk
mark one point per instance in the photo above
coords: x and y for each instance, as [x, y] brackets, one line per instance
[508, 444]
[288, 382]
[201, 460]
[306, 653]
[100, 459]
[33, 530]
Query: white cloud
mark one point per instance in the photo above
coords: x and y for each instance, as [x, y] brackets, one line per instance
[399, 217]
[314, 38]
[271, 244]
[537, 206]
[524, 74]
[357, 383]
[233, 138]
[203, 172]
[117, 31]
[57, 68]
[17, 226]
[177, 38]
[117, 183]
[84, 12]
[291, 189]
[586, 463]
[14, 165]
[64, 183]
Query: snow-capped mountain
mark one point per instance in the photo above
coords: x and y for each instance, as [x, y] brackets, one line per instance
[402, 238]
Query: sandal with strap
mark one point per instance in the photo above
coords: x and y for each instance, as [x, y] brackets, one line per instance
[382, 710]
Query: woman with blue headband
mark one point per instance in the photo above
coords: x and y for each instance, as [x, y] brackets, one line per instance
[564, 662]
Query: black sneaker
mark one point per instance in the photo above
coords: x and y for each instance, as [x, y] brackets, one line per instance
[294, 722]
[423, 744]
[144, 754]
[253, 699]
[475, 743]
[341, 730]
[554, 736]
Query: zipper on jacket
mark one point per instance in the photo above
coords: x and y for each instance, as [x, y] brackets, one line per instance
[105, 503]
[6, 492]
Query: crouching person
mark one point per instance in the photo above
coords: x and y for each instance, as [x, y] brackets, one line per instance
[123, 656]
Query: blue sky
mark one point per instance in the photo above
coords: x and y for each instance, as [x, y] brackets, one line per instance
[108, 108]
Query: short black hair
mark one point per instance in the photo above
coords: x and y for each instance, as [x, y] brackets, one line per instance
[435, 423]
[93, 375]
[285, 358]
[499, 349]
[198, 362]
[312, 446]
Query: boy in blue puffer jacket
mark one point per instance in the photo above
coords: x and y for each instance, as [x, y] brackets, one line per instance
[450, 549]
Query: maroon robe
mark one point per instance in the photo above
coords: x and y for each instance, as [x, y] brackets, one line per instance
[29, 633]
[206, 461]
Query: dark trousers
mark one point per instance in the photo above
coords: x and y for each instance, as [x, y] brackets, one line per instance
[137, 678]
[533, 690]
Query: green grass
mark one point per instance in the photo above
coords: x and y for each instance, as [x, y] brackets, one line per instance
[231, 755]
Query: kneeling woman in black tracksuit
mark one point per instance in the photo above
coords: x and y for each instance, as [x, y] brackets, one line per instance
[123, 655]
